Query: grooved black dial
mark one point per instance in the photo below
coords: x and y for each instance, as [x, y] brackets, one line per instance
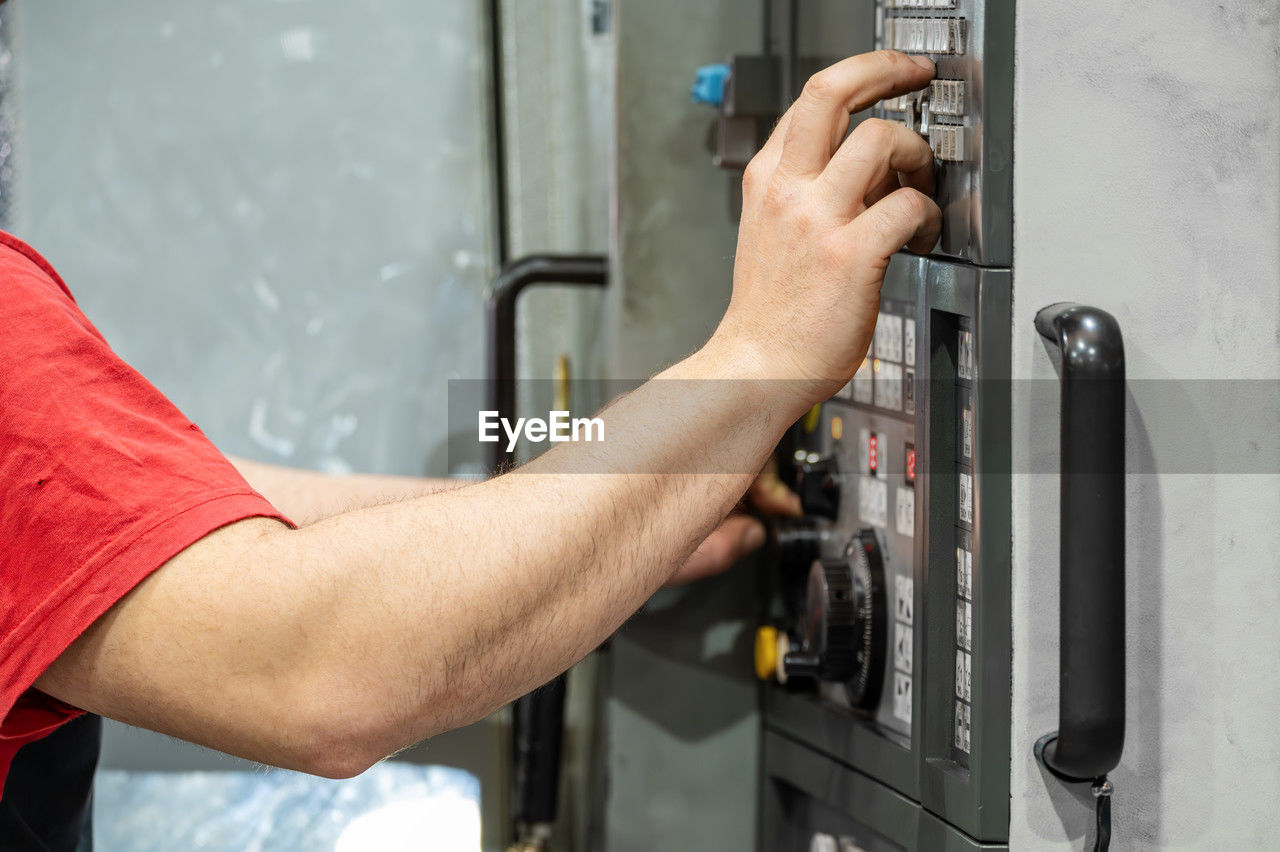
[843, 624]
[867, 568]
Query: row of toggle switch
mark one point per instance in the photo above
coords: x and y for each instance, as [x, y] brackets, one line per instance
[946, 97]
[925, 35]
[947, 142]
[919, 4]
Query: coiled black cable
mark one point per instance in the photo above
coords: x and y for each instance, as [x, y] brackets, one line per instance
[1102, 790]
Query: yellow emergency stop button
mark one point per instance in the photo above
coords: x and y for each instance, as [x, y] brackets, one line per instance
[766, 652]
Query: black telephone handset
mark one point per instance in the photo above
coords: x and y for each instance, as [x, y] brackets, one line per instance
[1091, 694]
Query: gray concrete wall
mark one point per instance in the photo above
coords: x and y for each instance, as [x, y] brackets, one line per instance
[281, 213]
[1147, 182]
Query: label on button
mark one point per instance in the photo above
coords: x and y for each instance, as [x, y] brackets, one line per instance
[873, 501]
[964, 624]
[964, 489]
[964, 573]
[904, 593]
[888, 385]
[964, 675]
[902, 641]
[962, 726]
[902, 697]
[905, 506]
[862, 390]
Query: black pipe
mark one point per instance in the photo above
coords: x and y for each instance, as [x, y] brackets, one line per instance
[537, 718]
[583, 270]
[537, 747]
[498, 123]
[1091, 706]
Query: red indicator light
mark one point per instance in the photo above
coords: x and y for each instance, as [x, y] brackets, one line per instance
[911, 464]
[873, 453]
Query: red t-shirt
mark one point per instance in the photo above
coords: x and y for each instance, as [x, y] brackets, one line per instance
[102, 480]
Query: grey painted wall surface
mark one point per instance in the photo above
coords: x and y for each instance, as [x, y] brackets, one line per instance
[681, 720]
[1147, 182]
[279, 212]
[675, 230]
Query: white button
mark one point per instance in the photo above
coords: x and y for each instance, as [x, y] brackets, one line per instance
[862, 382]
[888, 385]
[965, 490]
[964, 624]
[964, 573]
[904, 591]
[964, 367]
[823, 843]
[909, 341]
[873, 500]
[903, 638]
[966, 432]
[893, 325]
[964, 675]
[962, 726]
[902, 697]
[905, 511]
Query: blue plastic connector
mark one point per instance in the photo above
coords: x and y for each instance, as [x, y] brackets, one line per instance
[708, 84]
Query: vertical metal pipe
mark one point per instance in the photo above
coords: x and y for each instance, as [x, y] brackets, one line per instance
[537, 718]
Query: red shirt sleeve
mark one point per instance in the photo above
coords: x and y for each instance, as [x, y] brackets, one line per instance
[102, 480]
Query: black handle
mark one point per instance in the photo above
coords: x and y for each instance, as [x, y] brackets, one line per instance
[582, 270]
[1090, 735]
[537, 718]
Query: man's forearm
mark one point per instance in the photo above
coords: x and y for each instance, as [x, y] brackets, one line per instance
[461, 602]
[328, 647]
[305, 496]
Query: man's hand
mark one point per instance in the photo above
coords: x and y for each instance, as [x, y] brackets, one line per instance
[822, 214]
[739, 534]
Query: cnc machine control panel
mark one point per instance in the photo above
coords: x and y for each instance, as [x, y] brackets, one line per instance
[885, 633]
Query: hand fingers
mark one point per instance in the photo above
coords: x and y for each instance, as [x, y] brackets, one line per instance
[771, 495]
[765, 162]
[905, 217]
[821, 113]
[882, 189]
[729, 542]
[875, 152]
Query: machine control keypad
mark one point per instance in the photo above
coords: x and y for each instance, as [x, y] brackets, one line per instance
[964, 623]
[965, 114]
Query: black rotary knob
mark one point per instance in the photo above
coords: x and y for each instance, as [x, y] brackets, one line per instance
[818, 484]
[799, 544]
[828, 627]
[843, 625]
